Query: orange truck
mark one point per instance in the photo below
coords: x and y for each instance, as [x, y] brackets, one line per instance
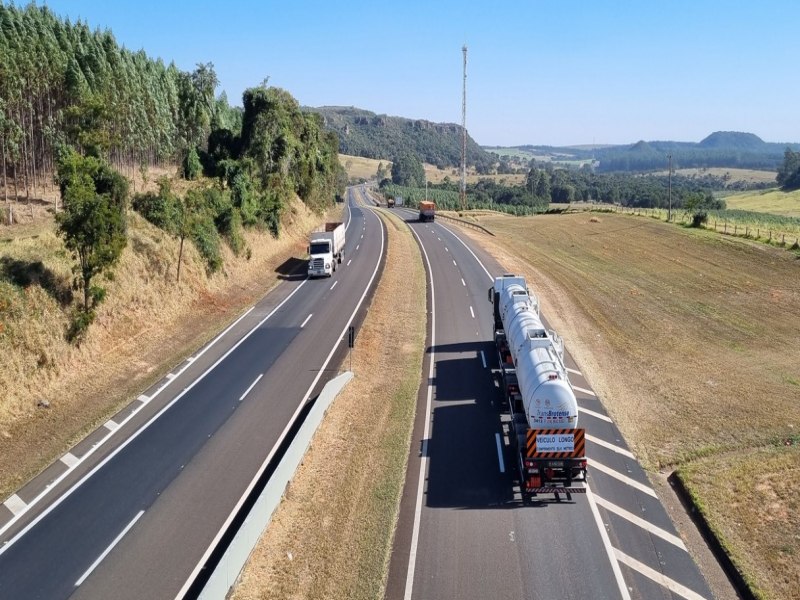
[427, 210]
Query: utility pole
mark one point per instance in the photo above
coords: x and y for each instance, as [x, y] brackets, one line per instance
[464, 134]
[669, 210]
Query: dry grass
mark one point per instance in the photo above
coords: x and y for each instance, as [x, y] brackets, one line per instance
[358, 167]
[141, 331]
[690, 338]
[748, 175]
[331, 536]
[751, 499]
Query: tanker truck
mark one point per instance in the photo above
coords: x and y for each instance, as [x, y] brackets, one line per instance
[326, 250]
[543, 431]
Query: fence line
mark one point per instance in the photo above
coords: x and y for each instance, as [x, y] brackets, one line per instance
[725, 227]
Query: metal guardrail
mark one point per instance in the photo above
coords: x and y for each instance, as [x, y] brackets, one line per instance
[233, 560]
[464, 222]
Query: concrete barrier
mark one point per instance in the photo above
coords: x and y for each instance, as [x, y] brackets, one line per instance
[230, 566]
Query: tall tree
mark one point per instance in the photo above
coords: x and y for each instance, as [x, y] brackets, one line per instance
[93, 221]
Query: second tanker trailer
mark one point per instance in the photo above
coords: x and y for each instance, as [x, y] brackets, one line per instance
[544, 431]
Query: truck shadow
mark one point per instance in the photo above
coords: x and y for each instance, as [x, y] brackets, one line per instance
[470, 465]
[292, 269]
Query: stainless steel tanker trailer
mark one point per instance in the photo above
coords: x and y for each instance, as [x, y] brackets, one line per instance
[544, 433]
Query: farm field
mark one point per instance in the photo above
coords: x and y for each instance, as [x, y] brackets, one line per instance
[734, 175]
[663, 321]
[772, 201]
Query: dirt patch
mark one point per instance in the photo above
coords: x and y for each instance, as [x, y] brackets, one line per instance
[331, 536]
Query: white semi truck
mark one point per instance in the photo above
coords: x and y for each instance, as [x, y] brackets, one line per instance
[549, 446]
[326, 250]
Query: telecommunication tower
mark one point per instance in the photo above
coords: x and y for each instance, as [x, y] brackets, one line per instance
[463, 194]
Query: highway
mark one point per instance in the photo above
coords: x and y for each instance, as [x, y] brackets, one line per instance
[133, 510]
[464, 531]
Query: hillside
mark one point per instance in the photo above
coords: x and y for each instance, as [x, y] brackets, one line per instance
[364, 133]
[726, 149]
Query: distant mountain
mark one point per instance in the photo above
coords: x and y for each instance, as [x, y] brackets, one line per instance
[732, 149]
[367, 134]
[733, 139]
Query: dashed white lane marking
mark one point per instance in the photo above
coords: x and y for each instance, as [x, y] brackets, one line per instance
[659, 578]
[610, 446]
[109, 549]
[472, 312]
[464, 283]
[358, 246]
[574, 372]
[308, 318]
[334, 284]
[15, 504]
[143, 399]
[594, 414]
[623, 478]
[252, 385]
[647, 525]
[454, 263]
[111, 425]
[584, 390]
[349, 261]
[483, 359]
[500, 453]
[70, 459]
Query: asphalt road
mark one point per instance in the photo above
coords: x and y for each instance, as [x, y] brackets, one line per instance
[464, 531]
[136, 518]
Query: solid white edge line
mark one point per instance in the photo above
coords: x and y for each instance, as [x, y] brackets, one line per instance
[137, 433]
[483, 359]
[574, 372]
[610, 550]
[640, 522]
[620, 477]
[284, 433]
[500, 453]
[412, 555]
[610, 446]
[308, 318]
[109, 549]
[100, 443]
[252, 385]
[478, 260]
[672, 585]
[594, 414]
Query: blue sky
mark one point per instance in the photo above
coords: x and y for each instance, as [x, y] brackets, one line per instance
[538, 72]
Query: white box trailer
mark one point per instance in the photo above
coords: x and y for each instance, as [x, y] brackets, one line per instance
[326, 250]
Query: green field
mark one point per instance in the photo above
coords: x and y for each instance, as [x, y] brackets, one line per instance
[772, 201]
